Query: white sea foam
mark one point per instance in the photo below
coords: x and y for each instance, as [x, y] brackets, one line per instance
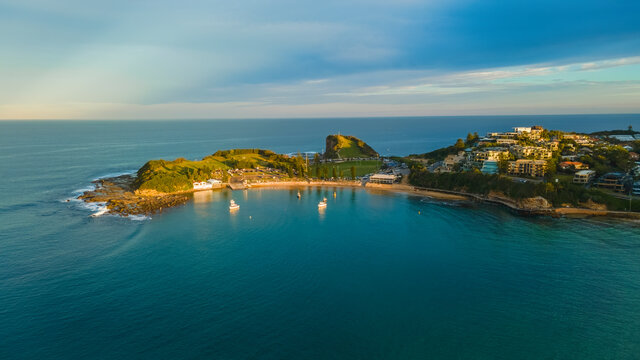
[139, 217]
[100, 208]
[115, 174]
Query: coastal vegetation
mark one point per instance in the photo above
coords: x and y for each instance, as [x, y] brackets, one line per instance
[560, 194]
[179, 174]
[352, 169]
[347, 147]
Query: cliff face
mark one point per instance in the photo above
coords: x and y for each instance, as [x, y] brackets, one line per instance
[342, 146]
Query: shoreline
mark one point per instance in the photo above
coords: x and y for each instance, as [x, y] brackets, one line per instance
[121, 199]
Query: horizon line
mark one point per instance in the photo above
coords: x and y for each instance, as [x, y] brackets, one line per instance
[318, 118]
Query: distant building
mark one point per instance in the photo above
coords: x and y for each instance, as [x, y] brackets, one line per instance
[615, 181]
[636, 188]
[522, 152]
[489, 167]
[451, 160]
[583, 176]
[507, 141]
[623, 137]
[491, 154]
[572, 165]
[521, 130]
[528, 167]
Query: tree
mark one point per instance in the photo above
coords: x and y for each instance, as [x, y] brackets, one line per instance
[353, 172]
[341, 174]
[503, 164]
[460, 144]
[290, 172]
[552, 167]
[471, 138]
[316, 158]
[334, 173]
[325, 172]
[318, 171]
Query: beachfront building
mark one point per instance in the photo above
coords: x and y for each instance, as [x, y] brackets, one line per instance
[382, 178]
[533, 168]
[583, 176]
[536, 152]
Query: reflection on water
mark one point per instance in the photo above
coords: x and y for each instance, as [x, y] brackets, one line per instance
[200, 197]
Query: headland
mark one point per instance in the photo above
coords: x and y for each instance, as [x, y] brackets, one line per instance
[530, 170]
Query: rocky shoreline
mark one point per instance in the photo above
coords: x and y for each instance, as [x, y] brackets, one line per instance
[121, 198]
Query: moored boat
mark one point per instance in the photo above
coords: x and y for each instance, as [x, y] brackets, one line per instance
[322, 204]
[233, 205]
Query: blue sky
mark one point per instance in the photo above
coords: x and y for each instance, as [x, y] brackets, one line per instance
[253, 59]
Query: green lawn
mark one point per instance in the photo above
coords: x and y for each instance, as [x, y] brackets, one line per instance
[363, 167]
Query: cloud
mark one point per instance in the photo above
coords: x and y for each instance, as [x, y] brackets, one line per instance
[295, 53]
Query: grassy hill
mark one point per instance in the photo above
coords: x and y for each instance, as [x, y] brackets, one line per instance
[342, 147]
[179, 174]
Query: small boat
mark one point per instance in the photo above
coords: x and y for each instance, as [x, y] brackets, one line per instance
[322, 204]
[233, 205]
[299, 195]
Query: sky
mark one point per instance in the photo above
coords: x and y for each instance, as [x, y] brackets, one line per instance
[73, 59]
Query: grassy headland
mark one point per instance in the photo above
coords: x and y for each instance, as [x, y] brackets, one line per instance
[179, 175]
[347, 147]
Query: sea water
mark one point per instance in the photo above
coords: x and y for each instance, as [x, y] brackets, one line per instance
[374, 275]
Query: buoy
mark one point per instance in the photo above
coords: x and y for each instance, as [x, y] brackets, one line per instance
[418, 212]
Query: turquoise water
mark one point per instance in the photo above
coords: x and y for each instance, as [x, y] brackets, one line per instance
[375, 275]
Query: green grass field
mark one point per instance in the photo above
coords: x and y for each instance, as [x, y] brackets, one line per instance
[363, 167]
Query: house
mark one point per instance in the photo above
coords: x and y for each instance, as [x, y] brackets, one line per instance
[552, 145]
[634, 156]
[568, 157]
[492, 154]
[522, 152]
[623, 137]
[520, 130]
[507, 142]
[451, 160]
[438, 167]
[528, 167]
[584, 176]
[572, 165]
[615, 181]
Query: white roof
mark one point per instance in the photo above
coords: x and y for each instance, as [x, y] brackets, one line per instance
[383, 176]
[585, 172]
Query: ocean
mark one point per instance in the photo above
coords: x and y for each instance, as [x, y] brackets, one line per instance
[374, 276]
